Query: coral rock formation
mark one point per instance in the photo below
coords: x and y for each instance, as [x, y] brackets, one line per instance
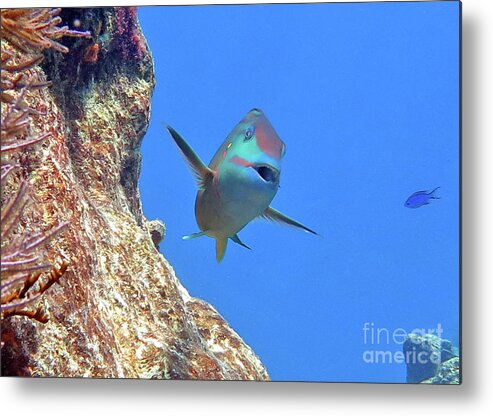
[431, 360]
[120, 310]
[23, 262]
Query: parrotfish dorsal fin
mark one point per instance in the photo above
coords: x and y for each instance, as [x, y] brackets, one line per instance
[201, 171]
[276, 216]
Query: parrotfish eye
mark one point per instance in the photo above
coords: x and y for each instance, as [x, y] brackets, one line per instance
[249, 133]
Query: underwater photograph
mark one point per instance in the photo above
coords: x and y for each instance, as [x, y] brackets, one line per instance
[263, 192]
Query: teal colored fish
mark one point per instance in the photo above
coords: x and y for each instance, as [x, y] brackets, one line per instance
[240, 181]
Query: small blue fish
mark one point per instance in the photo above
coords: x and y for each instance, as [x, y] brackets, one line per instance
[421, 198]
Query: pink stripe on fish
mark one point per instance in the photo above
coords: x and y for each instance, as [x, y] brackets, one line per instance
[267, 139]
[242, 162]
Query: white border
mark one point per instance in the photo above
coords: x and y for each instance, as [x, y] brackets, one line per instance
[123, 397]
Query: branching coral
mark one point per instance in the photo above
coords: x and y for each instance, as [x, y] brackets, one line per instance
[35, 29]
[25, 289]
[25, 34]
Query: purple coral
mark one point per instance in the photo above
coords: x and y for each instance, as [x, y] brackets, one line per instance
[128, 41]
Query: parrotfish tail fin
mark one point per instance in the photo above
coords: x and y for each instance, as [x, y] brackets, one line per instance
[221, 244]
[273, 215]
[433, 193]
[237, 240]
[201, 171]
[194, 235]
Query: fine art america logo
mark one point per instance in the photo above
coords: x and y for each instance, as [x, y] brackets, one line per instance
[379, 342]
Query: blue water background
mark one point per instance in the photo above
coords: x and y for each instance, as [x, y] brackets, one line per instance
[366, 98]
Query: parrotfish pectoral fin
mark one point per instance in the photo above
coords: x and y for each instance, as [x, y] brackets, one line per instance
[276, 216]
[237, 240]
[221, 244]
[194, 235]
[201, 171]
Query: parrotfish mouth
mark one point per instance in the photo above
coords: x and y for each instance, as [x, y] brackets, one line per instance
[266, 172]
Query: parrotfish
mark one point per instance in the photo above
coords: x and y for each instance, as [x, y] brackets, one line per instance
[239, 183]
[421, 198]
